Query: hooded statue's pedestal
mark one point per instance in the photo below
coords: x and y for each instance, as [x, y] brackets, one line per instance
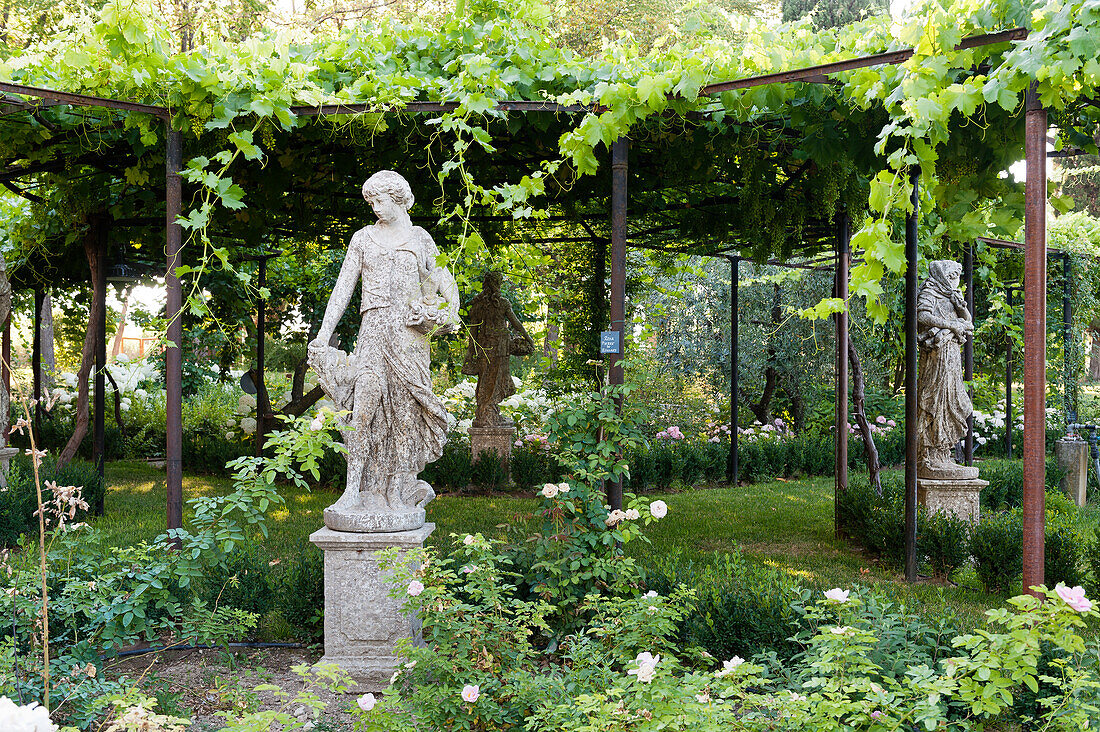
[957, 497]
[362, 622]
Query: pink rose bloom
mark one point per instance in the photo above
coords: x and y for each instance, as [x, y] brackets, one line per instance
[1074, 597]
[415, 588]
[470, 693]
[880, 419]
[317, 423]
[891, 423]
[366, 702]
[876, 714]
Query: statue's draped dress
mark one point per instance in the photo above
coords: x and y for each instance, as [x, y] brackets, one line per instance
[943, 404]
[400, 424]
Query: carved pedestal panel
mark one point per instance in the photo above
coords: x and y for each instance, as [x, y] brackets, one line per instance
[362, 622]
[956, 497]
[496, 439]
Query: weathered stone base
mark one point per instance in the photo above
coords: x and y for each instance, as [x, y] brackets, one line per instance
[497, 439]
[6, 454]
[955, 497]
[362, 622]
[1073, 458]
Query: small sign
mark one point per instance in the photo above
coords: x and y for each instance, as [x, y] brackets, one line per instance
[609, 342]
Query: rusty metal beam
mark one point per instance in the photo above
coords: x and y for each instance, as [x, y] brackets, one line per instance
[518, 105]
[813, 73]
[1035, 337]
[82, 100]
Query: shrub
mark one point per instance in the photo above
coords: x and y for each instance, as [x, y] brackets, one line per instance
[1006, 482]
[533, 466]
[876, 522]
[453, 470]
[18, 503]
[1092, 561]
[1063, 550]
[945, 540]
[242, 582]
[303, 592]
[997, 546]
[487, 472]
[741, 608]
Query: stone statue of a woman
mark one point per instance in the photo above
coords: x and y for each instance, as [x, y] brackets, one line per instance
[395, 425]
[943, 405]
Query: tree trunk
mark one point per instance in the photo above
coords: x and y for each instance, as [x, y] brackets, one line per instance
[762, 408]
[859, 407]
[120, 332]
[87, 355]
[49, 360]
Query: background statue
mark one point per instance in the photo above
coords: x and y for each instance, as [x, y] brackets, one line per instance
[943, 405]
[396, 424]
[490, 348]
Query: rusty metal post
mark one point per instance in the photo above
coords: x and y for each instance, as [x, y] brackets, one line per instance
[619, 154]
[99, 430]
[173, 357]
[261, 334]
[968, 351]
[1069, 382]
[1008, 377]
[1035, 337]
[36, 360]
[732, 468]
[5, 367]
[840, 457]
[911, 381]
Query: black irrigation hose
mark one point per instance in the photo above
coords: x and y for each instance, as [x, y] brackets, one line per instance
[141, 651]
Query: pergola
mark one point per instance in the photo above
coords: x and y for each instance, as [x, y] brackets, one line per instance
[830, 238]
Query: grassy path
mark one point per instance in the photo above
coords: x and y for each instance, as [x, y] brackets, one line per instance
[785, 524]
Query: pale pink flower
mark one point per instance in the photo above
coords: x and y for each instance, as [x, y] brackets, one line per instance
[658, 509]
[837, 595]
[317, 424]
[563, 487]
[876, 714]
[615, 517]
[415, 588]
[730, 666]
[891, 423]
[470, 693]
[646, 667]
[549, 490]
[880, 419]
[632, 514]
[1074, 597]
[366, 702]
[468, 539]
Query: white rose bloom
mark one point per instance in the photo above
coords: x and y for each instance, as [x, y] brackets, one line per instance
[31, 718]
[516, 382]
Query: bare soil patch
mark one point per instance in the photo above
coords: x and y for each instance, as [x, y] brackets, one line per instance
[205, 684]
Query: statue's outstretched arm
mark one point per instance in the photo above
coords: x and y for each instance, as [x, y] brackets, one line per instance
[341, 294]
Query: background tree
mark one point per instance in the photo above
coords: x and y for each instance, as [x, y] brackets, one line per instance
[832, 13]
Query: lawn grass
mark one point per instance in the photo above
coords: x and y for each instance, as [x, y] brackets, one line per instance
[787, 524]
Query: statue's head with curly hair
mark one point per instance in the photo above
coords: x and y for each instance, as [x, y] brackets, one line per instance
[392, 184]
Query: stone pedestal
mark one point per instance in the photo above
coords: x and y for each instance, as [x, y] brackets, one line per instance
[496, 439]
[1073, 458]
[362, 622]
[6, 454]
[959, 497]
